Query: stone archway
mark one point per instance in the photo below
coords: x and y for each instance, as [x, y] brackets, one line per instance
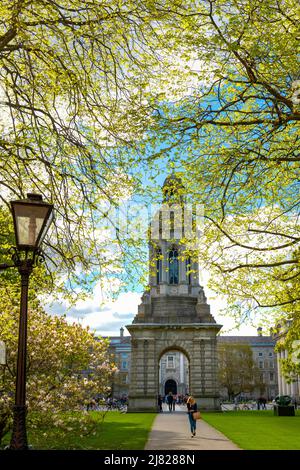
[173, 366]
[151, 341]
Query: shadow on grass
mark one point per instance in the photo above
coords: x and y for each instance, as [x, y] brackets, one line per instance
[116, 432]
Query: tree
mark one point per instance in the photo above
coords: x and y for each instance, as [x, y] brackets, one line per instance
[237, 370]
[67, 367]
[72, 80]
[90, 91]
[235, 139]
[290, 341]
[288, 333]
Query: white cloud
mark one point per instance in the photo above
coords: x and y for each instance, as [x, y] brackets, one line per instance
[103, 317]
[217, 305]
[228, 323]
[107, 317]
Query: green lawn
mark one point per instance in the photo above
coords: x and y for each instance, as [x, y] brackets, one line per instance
[117, 432]
[258, 430]
[250, 430]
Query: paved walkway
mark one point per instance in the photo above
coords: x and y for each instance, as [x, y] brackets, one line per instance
[171, 431]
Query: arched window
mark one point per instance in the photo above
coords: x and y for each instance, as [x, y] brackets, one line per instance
[172, 224]
[158, 266]
[188, 268]
[173, 267]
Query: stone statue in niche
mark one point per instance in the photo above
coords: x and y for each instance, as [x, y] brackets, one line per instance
[201, 297]
[146, 297]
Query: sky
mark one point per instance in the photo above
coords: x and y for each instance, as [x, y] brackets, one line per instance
[107, 317]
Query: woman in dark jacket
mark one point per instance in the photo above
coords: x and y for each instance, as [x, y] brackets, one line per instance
[170, 401]
[192, 407]
[159, 402]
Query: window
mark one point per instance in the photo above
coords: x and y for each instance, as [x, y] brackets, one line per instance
[188, 269]
[124, 365]
[173, 267]
[270, 354]
[271, 376]
[271, 364]
[158, 266]
[261, 364]
[170, 362]
[172, 224]
[260, 354]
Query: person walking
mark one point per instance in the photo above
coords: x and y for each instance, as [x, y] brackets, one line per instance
[170, 401]
[294, 402]
[174, 401]
[192, 407]
[159, 402]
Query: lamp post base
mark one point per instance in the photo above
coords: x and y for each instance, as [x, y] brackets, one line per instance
[19, 437]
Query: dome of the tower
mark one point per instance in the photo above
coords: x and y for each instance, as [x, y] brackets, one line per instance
[173, 189]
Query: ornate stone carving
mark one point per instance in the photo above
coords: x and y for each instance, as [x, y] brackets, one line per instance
[201, 296]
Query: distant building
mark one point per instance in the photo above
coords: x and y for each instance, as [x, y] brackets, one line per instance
[173, 374]
[120, 348]
[287, 386]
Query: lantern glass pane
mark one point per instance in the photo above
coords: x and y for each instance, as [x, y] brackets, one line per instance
[2, 353]
[47, 225]
[29, 222]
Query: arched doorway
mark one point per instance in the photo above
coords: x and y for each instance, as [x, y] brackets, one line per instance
[173, 373]
[170, 386]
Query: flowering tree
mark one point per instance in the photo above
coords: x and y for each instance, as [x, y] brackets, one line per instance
[67, 367]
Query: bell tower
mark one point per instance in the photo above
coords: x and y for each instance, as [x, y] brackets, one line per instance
[173, 314]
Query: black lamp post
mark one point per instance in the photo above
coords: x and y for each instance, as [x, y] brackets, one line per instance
[32, 218]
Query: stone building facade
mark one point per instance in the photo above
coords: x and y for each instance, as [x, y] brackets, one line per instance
[120, 350]
[174, 374]
[286, 385]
